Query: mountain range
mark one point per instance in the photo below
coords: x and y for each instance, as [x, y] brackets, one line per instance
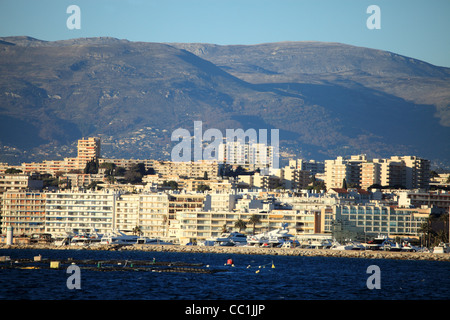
[327, 99]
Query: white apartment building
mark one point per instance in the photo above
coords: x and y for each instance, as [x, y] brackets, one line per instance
[147, 211]
[80, 212]
[196, 226]
[19, 181]
[220, 202]
[313, 166]
[256, 155]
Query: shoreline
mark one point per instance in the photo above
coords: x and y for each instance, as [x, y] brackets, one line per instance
[365, 254]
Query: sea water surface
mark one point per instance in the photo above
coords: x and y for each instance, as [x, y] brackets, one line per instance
[253, 277]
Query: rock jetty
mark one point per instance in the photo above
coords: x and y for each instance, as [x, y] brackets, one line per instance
[367, 254]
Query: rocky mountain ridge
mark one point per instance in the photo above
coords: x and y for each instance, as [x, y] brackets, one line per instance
[327, 99]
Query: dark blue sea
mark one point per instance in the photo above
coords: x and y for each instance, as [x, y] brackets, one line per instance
[253, 277]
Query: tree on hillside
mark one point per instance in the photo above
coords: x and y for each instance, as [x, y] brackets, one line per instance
[135, 173]
[109, 168]
[12, 171]
[203, 188]
[173, 185]
[91, 167]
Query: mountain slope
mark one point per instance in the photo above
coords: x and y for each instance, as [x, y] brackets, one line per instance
[326, 99]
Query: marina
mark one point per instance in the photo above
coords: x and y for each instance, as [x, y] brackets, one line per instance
[245, 250]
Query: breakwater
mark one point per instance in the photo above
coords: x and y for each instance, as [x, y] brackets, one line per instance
[367, 254]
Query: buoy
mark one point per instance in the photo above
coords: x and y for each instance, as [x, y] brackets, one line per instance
[257, 271]
[230, 262]
[273, 266]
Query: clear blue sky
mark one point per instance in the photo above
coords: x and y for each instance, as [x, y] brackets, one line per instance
[415, 28]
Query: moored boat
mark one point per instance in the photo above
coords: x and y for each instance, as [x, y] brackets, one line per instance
[227, 239]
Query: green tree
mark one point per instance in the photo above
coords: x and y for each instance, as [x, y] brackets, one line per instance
[254, 219]
[203, 187]
[12, 171]
[173, 185]
[120, 171]
[344, 184]
[137, 230]
[444, 235]
[93, 185]
[426, 231]
[135, 173]
[91, 167]
[109, 168]
[240, 224]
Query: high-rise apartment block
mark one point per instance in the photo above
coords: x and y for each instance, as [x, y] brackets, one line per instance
[336, 171]
[252, 155]
[409, 172]
[88, 149]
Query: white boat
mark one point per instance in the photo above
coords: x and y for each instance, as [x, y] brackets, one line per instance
[118, 237]
[383, 243]
[274, 238]
[228, 239]
[391, 246]
[62, 239]
[85, 239]
[351, 245]
[377, 243]
[441, 248]
[292, 243]
[145, 240]
[407, 247]
[315, 241]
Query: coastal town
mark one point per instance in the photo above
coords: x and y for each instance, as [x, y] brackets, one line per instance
[395, 204]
